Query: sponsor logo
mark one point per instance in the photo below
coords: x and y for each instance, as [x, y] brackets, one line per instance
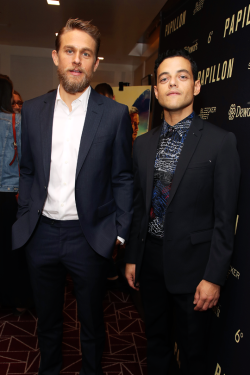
[232, 112]
[205, 112]
[198, 6]
[238, 336]
[177, 354]
[176, 23]
[238, 112]
[216, 309]
[234, 23]
[218, 370]
[216, 73]
[193, 48]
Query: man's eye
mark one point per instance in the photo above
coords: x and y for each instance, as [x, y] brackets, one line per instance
[163, 80]
[69, 51]
[183, 76]
[86, 54]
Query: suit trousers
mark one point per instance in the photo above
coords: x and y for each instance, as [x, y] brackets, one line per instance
[162, 311]
[55, 248]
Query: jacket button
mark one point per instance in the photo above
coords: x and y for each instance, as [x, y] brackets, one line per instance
[142, 239]
[45, 187]
[38, 212]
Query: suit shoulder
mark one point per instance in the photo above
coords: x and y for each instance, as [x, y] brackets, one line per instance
[31, 103]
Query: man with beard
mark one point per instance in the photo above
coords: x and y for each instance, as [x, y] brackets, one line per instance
[75, 198]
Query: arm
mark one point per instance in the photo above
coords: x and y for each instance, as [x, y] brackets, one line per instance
[26, 169]
[122, 179]
[226, 187]
[131, 249]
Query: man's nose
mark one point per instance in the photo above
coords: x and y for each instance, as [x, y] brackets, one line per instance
[172, 82]
[77, 59]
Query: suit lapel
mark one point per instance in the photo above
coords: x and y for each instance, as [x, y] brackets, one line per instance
[151, 153]
[92, 121]
[46, 121]
[187, 152]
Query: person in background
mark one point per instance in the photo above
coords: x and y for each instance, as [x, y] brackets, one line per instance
[105, 89]
[15, 289]
[186, 178]
[17, 102]
[134, 116]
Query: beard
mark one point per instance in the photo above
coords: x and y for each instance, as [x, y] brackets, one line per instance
[74, 84]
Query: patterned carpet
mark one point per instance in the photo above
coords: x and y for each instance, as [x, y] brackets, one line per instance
[125, 349]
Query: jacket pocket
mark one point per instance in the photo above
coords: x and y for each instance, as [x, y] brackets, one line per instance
[106, 209]
[201, 236]
[205, 164]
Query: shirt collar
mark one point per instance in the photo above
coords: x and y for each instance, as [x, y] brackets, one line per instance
[83, 99]
[181, 127]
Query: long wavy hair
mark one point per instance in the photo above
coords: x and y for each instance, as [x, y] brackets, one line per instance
[6, 91]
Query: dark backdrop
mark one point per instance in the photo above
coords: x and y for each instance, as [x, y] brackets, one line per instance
[217, 34]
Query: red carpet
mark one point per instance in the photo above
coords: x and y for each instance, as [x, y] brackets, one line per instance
[125, 349]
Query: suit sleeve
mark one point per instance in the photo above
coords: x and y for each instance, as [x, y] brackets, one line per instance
[132, 246]
[26, 168]
[122, 178]
[226, 188]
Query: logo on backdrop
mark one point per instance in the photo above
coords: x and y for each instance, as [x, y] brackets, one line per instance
[216, 309]
[177, 354]
[238, 112]
[233, 24]
[238, 336]
[218, 370]
[176, 23]
[198, 6]
[232, 112]
[234, 272]
[205, 112]
[215, 73]
[193, 48]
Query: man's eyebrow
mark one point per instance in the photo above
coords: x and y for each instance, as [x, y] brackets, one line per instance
[178, 71]
[183, 70]
[82, 49]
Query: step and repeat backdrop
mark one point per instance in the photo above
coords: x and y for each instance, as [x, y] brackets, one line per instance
[217, 34]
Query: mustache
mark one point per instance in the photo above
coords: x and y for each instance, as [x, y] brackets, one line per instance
[81, 70]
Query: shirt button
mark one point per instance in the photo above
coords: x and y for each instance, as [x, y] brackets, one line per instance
[66, 162]
[142, 239]
[38, 212]
[45, 187]
[64, 183]
[62, 205]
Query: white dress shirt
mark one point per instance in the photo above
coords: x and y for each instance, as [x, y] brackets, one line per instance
[66, 136]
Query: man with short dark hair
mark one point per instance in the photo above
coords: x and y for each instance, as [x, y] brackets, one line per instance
[105, 89]
[75, 197]
[186, 177]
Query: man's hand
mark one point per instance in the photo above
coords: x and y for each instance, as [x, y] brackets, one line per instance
[206, 296]
[118, 242]
[130, 275]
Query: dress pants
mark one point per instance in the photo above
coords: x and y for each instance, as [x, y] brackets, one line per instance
[161, 309]
[55, 248]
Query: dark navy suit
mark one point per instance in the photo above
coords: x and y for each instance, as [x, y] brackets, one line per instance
[103, 194]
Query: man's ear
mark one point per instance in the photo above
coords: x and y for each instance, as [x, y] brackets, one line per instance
[197, 87]
[55, 57]
[96, 64]
[156, 92]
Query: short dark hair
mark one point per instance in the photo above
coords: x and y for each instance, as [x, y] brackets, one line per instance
[174, 53]
[104, 89]
[6, 89]
[86, 26]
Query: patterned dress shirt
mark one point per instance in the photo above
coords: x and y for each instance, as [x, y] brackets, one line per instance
[169, 148]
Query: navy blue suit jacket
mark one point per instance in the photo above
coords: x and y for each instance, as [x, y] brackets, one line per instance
[103, 180]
